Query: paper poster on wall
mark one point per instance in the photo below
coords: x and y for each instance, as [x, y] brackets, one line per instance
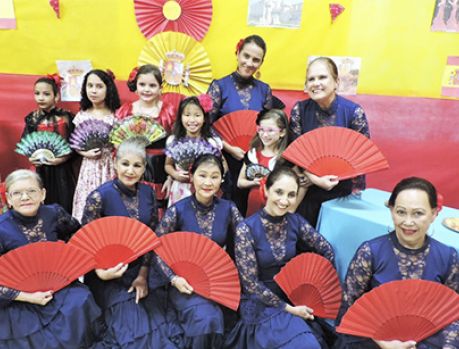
[348, 71]
[450, 81]
[446, 16]
[73, 73]
[7, 17]
[275, 13]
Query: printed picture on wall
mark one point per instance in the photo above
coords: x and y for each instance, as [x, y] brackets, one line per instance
[275, 13]
[450, 81]
[446, 16]
[73, 73]
[7, 17]
[348, 71]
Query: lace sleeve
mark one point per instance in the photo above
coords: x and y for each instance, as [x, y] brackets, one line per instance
[66, 224]
[246, 262]
[6, 292]
[318, 244]
[154, 216]
[453, 277]
[93, 208]
[215, 93]
[268, 104]
[360, 123]
[357, 280]
[294, 126]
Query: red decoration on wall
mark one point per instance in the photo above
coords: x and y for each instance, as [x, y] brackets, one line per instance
[55, 5]
[336, 10]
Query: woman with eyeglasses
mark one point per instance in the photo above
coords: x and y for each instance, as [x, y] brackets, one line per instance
[325, 108]
[41, 319]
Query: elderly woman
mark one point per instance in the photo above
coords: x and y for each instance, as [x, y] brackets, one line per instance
[135, 318]
[41, 319]
[408, 252]
[264, 243]
[325, 108]
[241, 91]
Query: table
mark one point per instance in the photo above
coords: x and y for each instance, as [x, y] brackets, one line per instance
[347, 222]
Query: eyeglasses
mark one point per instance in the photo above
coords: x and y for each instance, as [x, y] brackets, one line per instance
[268, 130]
[31, 193]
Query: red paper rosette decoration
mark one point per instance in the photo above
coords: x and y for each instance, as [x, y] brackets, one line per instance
[335, 10]
[55, 5]
[191, 17]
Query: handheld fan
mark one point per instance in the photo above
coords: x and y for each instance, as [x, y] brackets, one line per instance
[237, 128]
[90, 134]
[43, 146]
[204, 264]
[136, 126]
[253, 171]
[185, 151]
[402, 310]
[43, 266]
[336, 151]
[114, 240]
[310, 279]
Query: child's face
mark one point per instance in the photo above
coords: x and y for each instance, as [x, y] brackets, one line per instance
[148, 88]
[269, 133]
[96, 90]
[44, 96]
[192, 120]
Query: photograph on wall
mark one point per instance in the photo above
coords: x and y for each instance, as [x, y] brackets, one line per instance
[275, 13]
[7, 17]
[445, 16]
[72, 73]
[450, 81]
[348, 71]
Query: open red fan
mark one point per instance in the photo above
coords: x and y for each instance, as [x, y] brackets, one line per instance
[191, 17]
[237, 128]
[402, 310]
[204, 264]
[114, 240]
[43, 266]
[310, 279]
[336, 151]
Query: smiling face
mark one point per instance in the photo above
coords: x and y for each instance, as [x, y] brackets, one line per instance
[270, 133]
[320, 84]
[147, 88]
[281, 195]
[412, 216]
[206, 179]
[25, 196]
[44, 96]
[96, 90]
[192, 120]
[130, 169]
[249, 59]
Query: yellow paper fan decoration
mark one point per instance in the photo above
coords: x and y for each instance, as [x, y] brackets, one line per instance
[182, 60]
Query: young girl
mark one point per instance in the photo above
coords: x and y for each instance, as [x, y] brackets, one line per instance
[190, 138]
[265, 149]
[57, 175]
[99, 100]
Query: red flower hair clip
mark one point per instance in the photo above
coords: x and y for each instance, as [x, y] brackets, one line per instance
[56, 78]
[111, 74]
[206, 102]
[133, 74]
[440, 201]
[239, 46]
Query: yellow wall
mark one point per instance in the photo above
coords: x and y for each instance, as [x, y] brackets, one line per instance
[400, 55]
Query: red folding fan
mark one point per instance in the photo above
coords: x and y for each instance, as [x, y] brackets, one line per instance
[114, 240]
[191, 17]
[310, 279]
[43, 266]
[402, 310]
[237, 128]
[204, 264]
[336, 151]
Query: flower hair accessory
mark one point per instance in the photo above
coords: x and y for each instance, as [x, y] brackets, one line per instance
[111, 74]
[440, 200]
[206, 102]
[239, 45]
[56, 78]
[133, 74]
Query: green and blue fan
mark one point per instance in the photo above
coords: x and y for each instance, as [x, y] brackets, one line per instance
[43, 146]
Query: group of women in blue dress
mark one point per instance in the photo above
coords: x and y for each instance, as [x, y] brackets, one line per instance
[146, 305]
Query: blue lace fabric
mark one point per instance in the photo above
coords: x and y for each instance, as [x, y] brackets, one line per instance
[411, 265]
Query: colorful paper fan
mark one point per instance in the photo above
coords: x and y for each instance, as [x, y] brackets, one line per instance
[204, 264]
[43, 266]
[402, 310]
[237, 128]
[253, 171]
[336, 151]
[310, 279]
[114, 240]
[191, 17]
[136, 126]
[185, 151]
[183, 61]
[90, 134]
[43, 146]
[173, 98]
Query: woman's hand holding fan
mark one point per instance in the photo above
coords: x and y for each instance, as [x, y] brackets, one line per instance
[112, 273]
[327, 182]
[182, 285]
[396, 344]
[301, 311]
[39, 298]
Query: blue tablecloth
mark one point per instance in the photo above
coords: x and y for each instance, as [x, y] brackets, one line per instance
[347, 222]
